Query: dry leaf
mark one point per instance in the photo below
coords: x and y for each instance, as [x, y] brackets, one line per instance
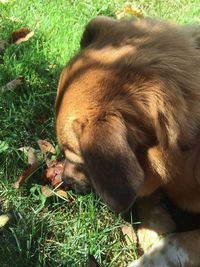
[21, 35]
[33, 164]
[30, 169]
[25, 149]
[61, 193]
[13, 84]
[2, 45]
[46, 191]
[30, 153]
[46, 146]
[130, 10]
[4, 219]
[92, 261]
[129, 234]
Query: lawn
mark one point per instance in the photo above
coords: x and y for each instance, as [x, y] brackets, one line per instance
[53, 231]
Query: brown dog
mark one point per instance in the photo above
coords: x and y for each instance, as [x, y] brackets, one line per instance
[128, 121]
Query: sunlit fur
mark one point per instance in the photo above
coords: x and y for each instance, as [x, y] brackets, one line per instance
[128, 119]
[137, 83]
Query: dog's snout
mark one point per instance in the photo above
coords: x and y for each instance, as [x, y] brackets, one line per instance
[68, 181]
[74, 177]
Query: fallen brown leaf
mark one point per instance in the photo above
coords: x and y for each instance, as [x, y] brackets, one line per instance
[46, 146]
[46, 191]
[21, 35]
[61, 193]
[92, 261]
[13, 84]
[30, 153]
[30, 169]
[32, 165]
[129, 234]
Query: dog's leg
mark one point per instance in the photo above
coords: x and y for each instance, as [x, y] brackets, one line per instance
[176, 250]
[155, 221]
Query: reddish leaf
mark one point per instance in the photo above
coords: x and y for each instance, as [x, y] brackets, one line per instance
[30, 169]
[21, 35]
[32, 165]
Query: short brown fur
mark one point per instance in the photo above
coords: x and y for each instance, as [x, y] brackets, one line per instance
[128, 111]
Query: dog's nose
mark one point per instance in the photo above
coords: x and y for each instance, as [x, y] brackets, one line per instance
[68, 181]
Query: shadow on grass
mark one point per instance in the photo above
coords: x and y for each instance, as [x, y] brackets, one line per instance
[27, 114]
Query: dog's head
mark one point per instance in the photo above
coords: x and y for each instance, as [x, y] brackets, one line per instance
[98, 154]
[110, 109]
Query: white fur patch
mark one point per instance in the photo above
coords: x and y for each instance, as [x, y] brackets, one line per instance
[147, 238]
[166, 254]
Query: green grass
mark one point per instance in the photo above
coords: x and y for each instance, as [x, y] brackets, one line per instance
[54, 232]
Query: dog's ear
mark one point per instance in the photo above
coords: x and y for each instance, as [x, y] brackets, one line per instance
[113, 169]
[95, 28]
[162, 130]
[171, 128]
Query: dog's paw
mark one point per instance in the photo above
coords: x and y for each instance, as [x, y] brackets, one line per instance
[167, 253]
[147, 239]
